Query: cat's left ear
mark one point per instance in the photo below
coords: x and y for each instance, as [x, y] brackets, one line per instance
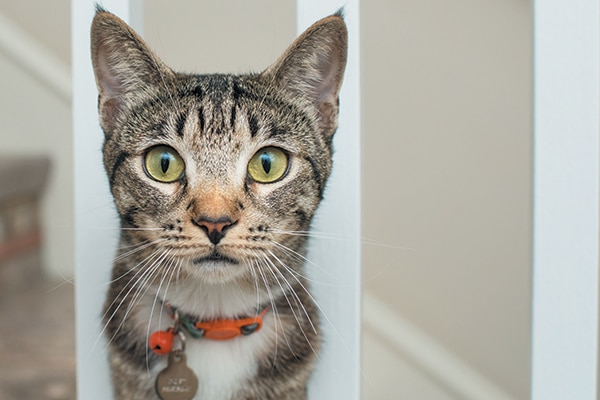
[312, 69]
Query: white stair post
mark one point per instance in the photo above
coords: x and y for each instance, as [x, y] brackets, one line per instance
[566, 178]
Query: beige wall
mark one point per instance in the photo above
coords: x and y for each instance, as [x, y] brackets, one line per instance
[446, 150]
[447, 174]
[219, 36]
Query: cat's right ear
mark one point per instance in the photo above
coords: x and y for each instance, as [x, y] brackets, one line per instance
[312, 69]
[124, 66]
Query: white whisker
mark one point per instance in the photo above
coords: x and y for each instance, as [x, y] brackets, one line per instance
[140, 247]
[168, 272]
[141, 285]
[256, 284]
[290, 286]
[110, 228]
[131, 285]
[298, 304]
[273, 307]
[304, 260]
[332, 236]
[331, 324]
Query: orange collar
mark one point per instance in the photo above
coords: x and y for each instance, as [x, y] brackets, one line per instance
[161, 342]
[219, 329]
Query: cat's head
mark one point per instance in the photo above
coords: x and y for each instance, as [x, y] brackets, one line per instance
[218, 172]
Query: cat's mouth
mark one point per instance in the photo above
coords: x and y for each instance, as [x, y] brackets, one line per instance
[215, 256]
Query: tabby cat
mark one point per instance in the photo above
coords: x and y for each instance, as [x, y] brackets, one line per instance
[216, 179]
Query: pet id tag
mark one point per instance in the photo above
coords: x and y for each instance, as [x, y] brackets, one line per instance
[176, 381]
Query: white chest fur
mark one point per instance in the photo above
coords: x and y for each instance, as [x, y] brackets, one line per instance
[222, 367]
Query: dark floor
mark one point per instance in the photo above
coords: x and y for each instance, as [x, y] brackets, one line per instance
[37, 345]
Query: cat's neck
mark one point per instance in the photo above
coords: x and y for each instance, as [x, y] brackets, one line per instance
[216, 300]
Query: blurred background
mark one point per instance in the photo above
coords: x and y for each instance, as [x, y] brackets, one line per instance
[446, 174]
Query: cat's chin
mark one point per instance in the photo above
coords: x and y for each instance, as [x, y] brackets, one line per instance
[216, 269]
[215, 259]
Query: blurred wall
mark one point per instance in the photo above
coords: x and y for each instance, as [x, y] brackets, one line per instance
[447, 174]
[36, 120]
[446, 150]
[219, 36]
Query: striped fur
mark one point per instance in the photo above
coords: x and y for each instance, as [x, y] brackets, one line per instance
[216, 123]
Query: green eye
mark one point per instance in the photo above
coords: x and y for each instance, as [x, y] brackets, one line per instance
[268, 165]
[164, 164]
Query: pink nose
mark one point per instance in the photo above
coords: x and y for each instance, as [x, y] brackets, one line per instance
[215, 228]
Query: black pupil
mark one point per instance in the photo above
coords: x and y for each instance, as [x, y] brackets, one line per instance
[165, 160]
[265, 160]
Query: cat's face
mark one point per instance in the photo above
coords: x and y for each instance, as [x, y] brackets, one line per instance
[218, 172]
[218, 181]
